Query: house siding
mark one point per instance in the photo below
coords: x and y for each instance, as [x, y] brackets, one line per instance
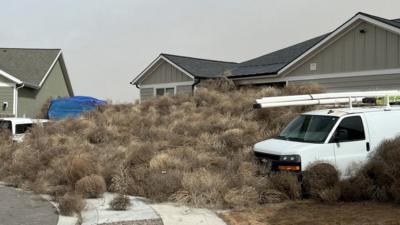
[5, 80]
[30, 101]
[164, 73]
[376, 49]
[7, 95]
[146, 93]
[184, 90]
[360, 83]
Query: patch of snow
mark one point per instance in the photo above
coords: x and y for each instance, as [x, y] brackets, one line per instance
[173, 214]
[97, 211]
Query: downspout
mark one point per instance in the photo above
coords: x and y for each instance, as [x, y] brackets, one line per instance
[16, 97]
[137, 86]
[196, 82]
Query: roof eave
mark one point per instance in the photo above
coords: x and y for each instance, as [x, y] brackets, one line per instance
[273, 74]
[352, 20]
[161, 56]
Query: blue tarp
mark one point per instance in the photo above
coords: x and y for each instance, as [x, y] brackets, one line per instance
[72, 107]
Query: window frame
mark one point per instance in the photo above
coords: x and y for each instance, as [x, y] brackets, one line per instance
[332, 137]
[26, 127]
[164, 90]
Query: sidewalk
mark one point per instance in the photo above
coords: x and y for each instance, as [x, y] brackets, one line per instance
[22, 208]
[172, 214]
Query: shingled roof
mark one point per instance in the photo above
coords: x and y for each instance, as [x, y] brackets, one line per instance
[395, 23]
[29, 66]
[271, 63]
[201, 68]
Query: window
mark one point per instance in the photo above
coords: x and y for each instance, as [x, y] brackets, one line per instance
[350, 129]
[309, 128]
[165, 91]
[170, 91]
[160, 91]
[22, 128]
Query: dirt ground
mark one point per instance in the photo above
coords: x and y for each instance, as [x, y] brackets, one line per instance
[311, 213]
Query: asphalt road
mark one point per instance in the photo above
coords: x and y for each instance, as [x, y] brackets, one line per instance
[20, 208]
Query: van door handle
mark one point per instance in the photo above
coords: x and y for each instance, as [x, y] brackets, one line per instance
[368, 147]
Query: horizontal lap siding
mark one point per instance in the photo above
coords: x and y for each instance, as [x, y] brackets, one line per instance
[31, 101]
[378, 82]
[164, 73]
[146, 93]
[355, 51]
[7, 95]
[184, 89]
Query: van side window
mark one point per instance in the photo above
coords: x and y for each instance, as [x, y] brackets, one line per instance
[22, 128]
[351, 129]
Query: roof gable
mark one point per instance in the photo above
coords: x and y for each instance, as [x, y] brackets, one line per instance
[276, 62]
[30, 66]
[378, 21]
[193, 67]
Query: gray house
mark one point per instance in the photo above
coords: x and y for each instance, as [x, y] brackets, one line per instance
[172, 74]
[361, 54]
[28, 77]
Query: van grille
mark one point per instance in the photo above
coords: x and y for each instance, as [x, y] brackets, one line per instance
[267, 156]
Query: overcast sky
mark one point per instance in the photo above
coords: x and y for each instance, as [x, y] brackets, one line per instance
[106, 43]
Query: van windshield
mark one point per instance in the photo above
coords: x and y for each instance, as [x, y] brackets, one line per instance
[309, 128]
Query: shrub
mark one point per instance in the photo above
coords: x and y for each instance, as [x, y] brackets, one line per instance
[204, 188]
[120, 202]
[80, 165]
[320, 182]
[329, 195]
[242, 197]
[379, 178]
[99, 135]
[288, 184]
[92, 186]
[160, 185]
[192, 149]
[271, 196]
[71, 203]
[358, 188]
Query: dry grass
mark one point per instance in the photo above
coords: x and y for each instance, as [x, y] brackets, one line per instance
[120, 202]
[379, 179]
[288, 184]
[92, 186]
[191, 149]
[314, 213]
[321, 182]
[70, 204]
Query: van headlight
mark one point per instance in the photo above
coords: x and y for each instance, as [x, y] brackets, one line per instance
[290, 158]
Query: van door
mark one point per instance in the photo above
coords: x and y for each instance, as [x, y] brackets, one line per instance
[350, 143]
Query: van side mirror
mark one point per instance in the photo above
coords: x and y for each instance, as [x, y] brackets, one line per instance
[341, 135]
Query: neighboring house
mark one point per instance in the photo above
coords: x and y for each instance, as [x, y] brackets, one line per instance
[28, 78]
[172, 74]
[361, 54]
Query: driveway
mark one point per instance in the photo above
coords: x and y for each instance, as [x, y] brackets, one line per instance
[20, 208]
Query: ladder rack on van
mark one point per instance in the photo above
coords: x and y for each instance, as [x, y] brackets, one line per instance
[349, 98]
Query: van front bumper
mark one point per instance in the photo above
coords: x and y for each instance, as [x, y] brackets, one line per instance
[274, 163]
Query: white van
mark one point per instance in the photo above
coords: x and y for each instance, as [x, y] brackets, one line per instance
[19, 126]
[340, 137]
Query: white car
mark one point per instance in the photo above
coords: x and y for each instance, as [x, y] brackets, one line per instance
[340, 137]
[19, 126]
